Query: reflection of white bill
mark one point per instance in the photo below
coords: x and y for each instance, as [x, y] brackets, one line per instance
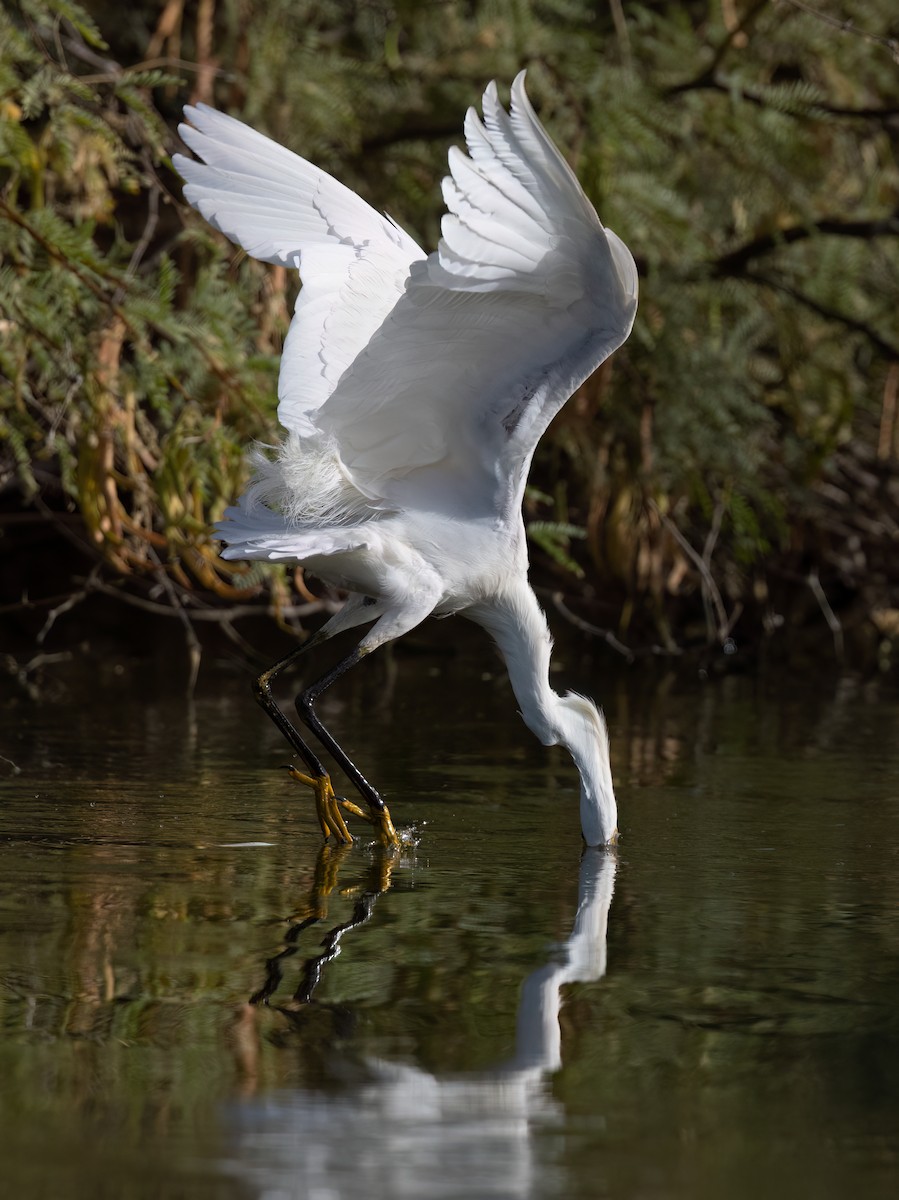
[405, 1133]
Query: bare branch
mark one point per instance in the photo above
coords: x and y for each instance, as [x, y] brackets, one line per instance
[846, 26]
[734, 261]
[886, 348]
[594, 630]
[709, 586]
[735, 87]
[833, 621]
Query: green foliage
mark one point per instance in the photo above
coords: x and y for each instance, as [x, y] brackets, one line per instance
[554, 538]
[116, 374]
[743, 151]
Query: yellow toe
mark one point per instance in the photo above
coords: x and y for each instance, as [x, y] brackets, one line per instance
[327, 807]
[331, 819]
[385, 828]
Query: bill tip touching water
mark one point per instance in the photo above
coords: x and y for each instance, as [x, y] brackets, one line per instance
[413, 391]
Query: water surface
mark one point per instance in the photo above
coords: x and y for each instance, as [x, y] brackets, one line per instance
[711, 1012]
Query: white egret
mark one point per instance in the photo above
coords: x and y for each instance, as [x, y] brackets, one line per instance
[413, 390]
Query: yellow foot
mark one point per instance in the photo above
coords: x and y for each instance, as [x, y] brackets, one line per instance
[331, 819]
[327, 806]
[384, 826]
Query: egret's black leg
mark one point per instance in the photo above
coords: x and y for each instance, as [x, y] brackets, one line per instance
[327, 804]
[305, 702]
[306, 712]
[262, 689]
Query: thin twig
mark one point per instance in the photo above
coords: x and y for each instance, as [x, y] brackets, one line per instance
[712, 536]
[16, 770]
[217, 615]
[707, 76]
[735, 32]
[621, 33]
[833, 621]
[888, 349]
[247, 650]
[707, 549]
[194, 650]
[147, 236]
[887, 439]
[189, 604]
[67, 605]
[20, 672]
[708, 580]
[845, 25]
[594, 630]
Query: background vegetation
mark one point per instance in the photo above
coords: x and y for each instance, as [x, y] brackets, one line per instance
[733, 472]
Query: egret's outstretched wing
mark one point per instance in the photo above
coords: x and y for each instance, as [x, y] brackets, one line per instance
[526, 295]
[281, 209]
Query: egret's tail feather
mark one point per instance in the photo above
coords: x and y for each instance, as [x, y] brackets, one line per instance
[251, 530]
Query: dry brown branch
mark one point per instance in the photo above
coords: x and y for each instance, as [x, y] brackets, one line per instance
[711, 594]
[168, 30]
[206, 74]
[734, 24]
[594, 630]
[70, 602]
[888, 437]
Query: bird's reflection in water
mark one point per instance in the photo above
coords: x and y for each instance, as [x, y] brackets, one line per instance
[402, 1131]
[327, 870]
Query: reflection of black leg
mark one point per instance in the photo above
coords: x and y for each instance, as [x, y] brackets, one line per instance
[273, 972]
[327, 869]
[312, 972]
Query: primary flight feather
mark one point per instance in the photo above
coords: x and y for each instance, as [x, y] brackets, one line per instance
[413, 390]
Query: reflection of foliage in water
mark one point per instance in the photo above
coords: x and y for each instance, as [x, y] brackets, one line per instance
[753, 946]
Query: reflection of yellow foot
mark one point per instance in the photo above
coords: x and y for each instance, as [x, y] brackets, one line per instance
[330, 818]
[327, 869]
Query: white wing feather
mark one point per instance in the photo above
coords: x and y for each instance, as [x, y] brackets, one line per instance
[282, 209]
[433, 379]
[525, 296]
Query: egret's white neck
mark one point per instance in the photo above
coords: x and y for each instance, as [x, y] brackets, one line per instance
[516, 623]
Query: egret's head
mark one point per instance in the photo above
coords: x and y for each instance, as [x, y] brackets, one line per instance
[583, 731]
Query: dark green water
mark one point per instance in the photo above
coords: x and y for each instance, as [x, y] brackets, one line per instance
[493, 1025]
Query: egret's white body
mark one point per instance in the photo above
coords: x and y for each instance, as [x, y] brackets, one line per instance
[414, 388]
